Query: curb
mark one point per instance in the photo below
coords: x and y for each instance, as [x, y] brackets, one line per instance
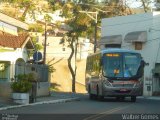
[152, 98]
[39, 103]
[149, 97]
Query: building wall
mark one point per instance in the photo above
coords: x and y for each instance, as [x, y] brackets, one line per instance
[58, 57]
[5, 89]
[12, 56]
[14, 69]
[150, 50]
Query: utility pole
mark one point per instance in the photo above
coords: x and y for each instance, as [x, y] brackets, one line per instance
[47, 19]
[95, 36]
[89, 14]
[45, 41]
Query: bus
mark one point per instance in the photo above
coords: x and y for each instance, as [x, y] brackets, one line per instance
[116, 73]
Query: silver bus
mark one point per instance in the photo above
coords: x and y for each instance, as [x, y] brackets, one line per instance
[116, 73]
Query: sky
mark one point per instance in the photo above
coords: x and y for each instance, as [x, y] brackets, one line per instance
[134, 4]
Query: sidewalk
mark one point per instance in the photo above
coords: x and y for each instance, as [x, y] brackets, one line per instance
[152, 97]
[55, 97]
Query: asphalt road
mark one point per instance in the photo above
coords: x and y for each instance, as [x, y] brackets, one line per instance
[86, 109]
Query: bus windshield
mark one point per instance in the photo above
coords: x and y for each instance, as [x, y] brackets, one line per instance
[121, 65]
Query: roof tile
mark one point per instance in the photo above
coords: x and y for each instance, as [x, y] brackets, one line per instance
[7, 40]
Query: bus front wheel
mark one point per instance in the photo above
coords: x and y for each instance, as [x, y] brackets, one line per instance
[99, 97]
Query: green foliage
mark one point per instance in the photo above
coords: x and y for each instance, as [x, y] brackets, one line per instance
[54, 87]
[10, 1]
[67, 10]
[22, 86]
[23, 83]
[51, 68]
[30, 7]
[55, 4]
[37, 46]
[36, 28]
[20, 77]
[27, 77]
[47, 18]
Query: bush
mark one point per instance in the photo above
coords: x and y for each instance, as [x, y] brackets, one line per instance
[21, 86]
[31, 77]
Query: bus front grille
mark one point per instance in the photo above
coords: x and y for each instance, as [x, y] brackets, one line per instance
[123, 85]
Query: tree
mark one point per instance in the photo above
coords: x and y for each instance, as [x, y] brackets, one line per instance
[78, 22]
[36, 28]
[30, 7]
[157, 4]
[82, 25]
[145, 4]
[25, 5]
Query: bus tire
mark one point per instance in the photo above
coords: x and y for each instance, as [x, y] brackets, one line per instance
[99, 97]
[133, 98]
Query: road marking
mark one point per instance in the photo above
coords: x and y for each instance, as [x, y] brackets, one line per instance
[101, 115]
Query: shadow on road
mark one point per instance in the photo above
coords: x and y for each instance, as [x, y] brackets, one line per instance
[113, 99]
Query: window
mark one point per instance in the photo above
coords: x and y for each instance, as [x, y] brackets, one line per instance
[93, 65]
[4, 70]
[132, 63]
[121, 64]
[112, 63]
[113, 46]
[138, 45]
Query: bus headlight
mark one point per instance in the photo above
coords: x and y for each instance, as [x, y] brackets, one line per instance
[107, 83]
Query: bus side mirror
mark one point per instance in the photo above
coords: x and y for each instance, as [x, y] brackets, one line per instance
[143, 63]
[140, 70]
[146, 64]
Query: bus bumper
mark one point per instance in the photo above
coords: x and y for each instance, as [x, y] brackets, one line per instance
[122, 92]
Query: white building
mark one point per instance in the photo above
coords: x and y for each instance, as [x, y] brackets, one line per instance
[14, 49]
[140, 32]
[11, 25]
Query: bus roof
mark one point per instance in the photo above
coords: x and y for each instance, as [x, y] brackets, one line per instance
[117, 50]
[112, 50]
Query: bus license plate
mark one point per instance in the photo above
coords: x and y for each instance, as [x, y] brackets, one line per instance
[123, 90]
